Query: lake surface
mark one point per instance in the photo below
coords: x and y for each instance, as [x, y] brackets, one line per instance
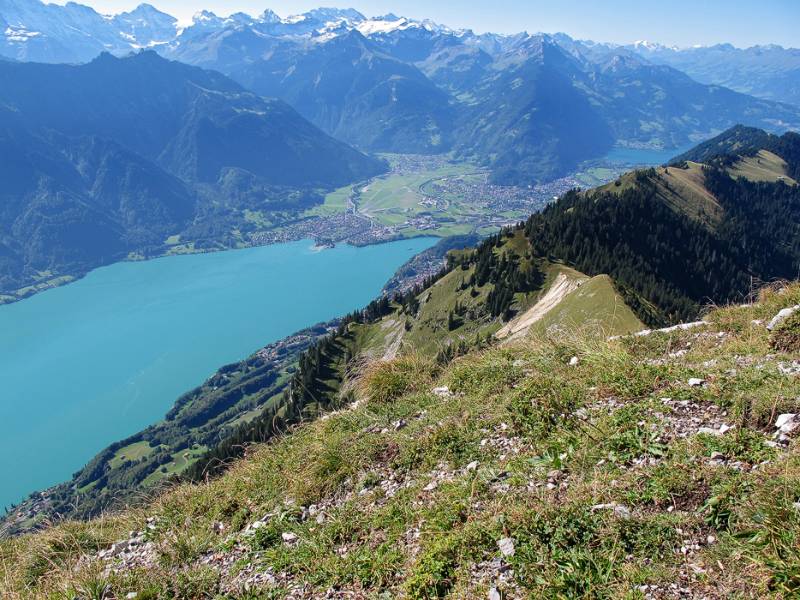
[93, 362]
[644, 157]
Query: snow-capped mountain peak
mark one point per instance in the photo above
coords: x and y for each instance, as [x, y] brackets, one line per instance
[145, 26]
[205, 16]
[381, 25]
[647, 46]
[327, 15]
[391, 22]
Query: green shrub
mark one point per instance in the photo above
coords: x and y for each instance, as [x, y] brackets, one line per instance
[484, 374]
[720, 510]
[433, 575]
[543, 403]
[450, 441]
[631, 436]
[196, 584]
[740, 444]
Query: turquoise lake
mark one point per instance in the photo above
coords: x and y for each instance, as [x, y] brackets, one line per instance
[643, 156]
[95, 361]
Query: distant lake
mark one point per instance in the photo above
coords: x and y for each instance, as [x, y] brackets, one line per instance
[644, 157]
[93, 362]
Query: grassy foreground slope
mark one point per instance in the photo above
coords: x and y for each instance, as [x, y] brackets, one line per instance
[649, 467]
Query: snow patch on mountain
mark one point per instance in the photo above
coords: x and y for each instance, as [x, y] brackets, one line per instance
[294, 19]
[20, 34]
[384, 25]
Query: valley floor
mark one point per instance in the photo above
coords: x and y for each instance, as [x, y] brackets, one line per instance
[648, 466]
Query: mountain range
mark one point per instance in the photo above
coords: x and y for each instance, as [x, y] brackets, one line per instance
[40, 32]
[114, 156]
[392, 84]
[74, 33]
[770, 72]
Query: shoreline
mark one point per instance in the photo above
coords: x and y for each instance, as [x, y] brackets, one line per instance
[64, 279]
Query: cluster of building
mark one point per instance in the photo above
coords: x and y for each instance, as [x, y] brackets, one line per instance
[484, 195]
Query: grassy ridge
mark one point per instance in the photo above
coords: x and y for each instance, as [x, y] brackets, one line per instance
[595, 305]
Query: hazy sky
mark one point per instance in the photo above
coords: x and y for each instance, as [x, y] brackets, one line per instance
[680, 22]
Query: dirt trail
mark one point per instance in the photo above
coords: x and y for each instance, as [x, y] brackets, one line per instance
[562, 286]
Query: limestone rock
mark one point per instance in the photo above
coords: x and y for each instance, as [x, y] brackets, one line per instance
[782, 316]
[442, 392]
[506, 546]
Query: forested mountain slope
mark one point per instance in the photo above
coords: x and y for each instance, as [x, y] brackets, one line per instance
[70, 203]
[347, 87]
[748, 142]
[113, 157]
[192, 122]
[686, 235]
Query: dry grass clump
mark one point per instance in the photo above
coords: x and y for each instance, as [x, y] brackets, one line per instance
[383, 381]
